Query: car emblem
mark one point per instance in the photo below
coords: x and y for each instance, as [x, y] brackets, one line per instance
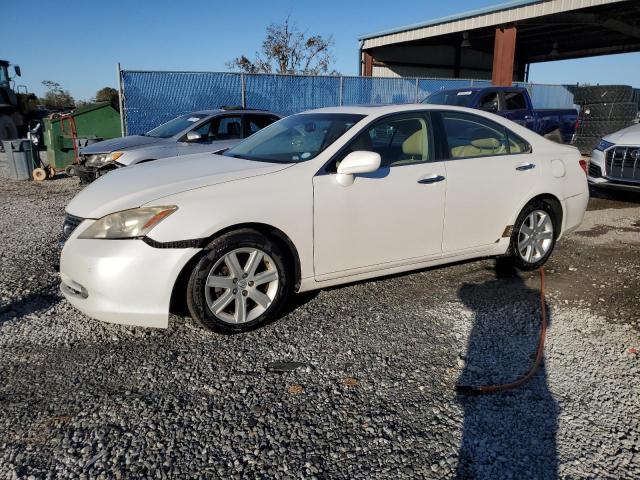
[635, 154]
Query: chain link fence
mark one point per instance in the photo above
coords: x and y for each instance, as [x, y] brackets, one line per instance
[154, 97]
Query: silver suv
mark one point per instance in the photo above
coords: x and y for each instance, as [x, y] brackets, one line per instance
[197, 132]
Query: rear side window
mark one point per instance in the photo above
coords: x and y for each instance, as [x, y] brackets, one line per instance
[517, 144]
[472, 136]
[515, 101]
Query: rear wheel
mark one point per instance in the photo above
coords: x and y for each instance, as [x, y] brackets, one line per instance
[240, 283]
[534, 236]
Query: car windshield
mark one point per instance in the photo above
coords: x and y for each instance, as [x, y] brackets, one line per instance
[458, 98]
[175, 126]
[297, 138]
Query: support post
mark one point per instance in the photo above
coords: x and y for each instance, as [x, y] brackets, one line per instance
[367, 64]
[504, 51]
[341, 90]
[121, 101]
[243, 81]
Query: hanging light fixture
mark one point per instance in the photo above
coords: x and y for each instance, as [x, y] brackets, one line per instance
[465, 40]
[554, 50]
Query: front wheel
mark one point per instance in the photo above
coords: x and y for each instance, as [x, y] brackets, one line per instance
[534, 236]
[240, 283]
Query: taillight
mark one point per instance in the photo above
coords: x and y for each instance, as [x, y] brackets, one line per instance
[577, 124]
[584, 165]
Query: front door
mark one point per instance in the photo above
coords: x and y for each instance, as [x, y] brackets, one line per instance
[385, 218]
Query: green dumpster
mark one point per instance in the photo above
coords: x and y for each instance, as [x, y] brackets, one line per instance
[65, 134]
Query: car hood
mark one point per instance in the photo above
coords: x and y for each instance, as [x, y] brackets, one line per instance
[629, 135]
[108, 146]
[134, 186]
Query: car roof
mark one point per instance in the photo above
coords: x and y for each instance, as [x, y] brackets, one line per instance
[218, 111]
[378, 110]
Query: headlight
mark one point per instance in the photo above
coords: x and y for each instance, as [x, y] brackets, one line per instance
[603, 145]
[128, 223]
[101, 159]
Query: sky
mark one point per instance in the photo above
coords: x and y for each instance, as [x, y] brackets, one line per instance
[79, 43]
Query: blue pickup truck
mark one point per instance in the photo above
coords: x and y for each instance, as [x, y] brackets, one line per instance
[513, 103]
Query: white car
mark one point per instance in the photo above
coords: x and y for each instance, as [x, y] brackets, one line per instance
[615, 163]
[316, 199]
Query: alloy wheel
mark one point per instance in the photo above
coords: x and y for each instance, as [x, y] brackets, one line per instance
[535, 237]
[241, 285]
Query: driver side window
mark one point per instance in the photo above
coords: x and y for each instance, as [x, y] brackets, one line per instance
[400, 140]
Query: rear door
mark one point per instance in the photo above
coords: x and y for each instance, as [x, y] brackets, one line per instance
[490, 172]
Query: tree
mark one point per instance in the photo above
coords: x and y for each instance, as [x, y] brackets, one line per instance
[286, 49]
[107, 94]
[56, 97]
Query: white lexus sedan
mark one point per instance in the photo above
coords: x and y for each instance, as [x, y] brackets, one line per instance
[320, 198]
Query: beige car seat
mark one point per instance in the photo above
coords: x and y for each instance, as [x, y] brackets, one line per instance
[481, 145]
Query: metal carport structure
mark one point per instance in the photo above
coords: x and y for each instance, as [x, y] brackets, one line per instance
[500, 42]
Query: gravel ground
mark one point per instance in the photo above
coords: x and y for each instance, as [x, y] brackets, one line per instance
[371, 392]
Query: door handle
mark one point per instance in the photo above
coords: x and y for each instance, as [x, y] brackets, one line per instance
[431, 179]
[525, 166]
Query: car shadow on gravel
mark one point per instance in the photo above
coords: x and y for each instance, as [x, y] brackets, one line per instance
[509, 434]
[36, 301]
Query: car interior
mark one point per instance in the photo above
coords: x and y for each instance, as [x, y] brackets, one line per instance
[399, 142]
[468, 138]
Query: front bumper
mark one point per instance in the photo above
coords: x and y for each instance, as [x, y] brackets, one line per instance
[597, 178]
[88, 174]
[121, 281]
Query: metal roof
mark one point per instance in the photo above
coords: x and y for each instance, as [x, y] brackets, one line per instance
[498, 14]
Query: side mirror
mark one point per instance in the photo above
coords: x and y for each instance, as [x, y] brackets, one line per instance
[193, 137]
[360, 161]
[16, 68]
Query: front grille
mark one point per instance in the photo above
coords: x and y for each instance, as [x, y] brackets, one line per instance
[595, 171]
[623, 163]
[70, 224]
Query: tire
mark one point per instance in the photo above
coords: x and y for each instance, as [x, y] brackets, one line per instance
[546, 239]
[600, 128]
[621, 112]
[603, 94]
[554, 136]
[233, 291]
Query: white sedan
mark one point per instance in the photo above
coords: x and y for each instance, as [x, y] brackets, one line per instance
[317, 199]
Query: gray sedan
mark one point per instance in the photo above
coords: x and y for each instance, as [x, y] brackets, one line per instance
[197, 132]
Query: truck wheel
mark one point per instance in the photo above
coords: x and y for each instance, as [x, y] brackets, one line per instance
[603, 94]
[601, 128]
[554, 136]
[8, 130]
[620, 112]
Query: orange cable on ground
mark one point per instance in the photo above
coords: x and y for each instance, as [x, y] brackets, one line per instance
[469, 389]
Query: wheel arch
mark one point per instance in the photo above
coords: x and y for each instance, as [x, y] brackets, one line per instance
[178, 295]
[556, 206]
